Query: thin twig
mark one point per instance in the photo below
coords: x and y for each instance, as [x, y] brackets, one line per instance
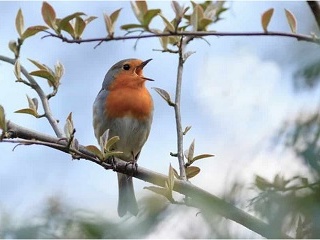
[177, 111]
[44, 100]
[299, 37]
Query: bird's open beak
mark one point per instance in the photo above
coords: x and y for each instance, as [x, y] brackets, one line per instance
[142, 65]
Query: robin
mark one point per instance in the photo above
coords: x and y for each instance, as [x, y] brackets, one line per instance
[125, 107]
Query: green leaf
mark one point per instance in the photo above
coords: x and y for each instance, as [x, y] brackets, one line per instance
[13, 47]
[103, 140]
[94, 150]
[109, 25]
[130, 26]
[30, 31]
[192, 171]
[114, 16]
[35, 103]
[142, 6]
[150, 14]
[89, 19]
[178, 10]
[136, 10]
[291, 21]
[161, 191]
[194, 5]
[45, 74]
[59, 71]
[19, 22]
[49, 15]
[68, 127]
[168, 24]
[79, 27]
[17, 69]
[64, 21]
[191, 152]
[196, 16]
[262, 183]
[37, 64]
[3, 122]
[171, 178]
[31, 104]
[173, 40]
[186, 130]
[265, 19]
[176, 173]
[210, 11]
[110, 21]
[69, 29]
[201, 156]
[164, 94]
[111, 142]
[204, 23]
[28, 111]
[164, 42]
[111, 153]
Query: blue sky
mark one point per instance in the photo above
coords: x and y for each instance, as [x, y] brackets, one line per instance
[236, 93]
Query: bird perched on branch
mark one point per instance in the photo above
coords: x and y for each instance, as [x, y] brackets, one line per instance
[125, 107]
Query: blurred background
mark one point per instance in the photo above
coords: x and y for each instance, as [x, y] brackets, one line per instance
[251, 101]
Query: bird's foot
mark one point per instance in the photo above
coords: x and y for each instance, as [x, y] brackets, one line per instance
[112, 162]
[134, 166]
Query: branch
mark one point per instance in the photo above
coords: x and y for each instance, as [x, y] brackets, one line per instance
[315, 8]
[200, 198]
[177, 111]
[299, 37]
[44, 99]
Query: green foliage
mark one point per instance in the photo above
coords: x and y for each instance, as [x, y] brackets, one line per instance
[56, 219]
[308, 75]
[192, 171]
[265, 18]
[291, 21]
[106, 147]
[69, 127]
[110, 21]
[303, 137]
[292, 204]
[165, 95]
[73, 24]
[202, 16]
[289, 204]
[32, 109]
[30, 31]
[53, 76]
[169, 184]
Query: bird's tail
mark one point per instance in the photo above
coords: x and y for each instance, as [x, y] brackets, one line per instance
[127, 201]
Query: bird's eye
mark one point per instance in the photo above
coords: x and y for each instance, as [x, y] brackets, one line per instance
[126, 67]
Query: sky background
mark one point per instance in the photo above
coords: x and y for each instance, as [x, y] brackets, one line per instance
[236, 93]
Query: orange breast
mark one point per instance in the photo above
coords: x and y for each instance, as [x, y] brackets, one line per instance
[127, 101]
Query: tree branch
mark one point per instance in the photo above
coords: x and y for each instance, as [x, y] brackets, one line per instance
[299, 37]
[177, 111]
[44, 100]
[315, 8]
[200, 199]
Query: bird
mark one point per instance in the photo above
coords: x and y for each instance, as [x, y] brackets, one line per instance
[125, 107]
